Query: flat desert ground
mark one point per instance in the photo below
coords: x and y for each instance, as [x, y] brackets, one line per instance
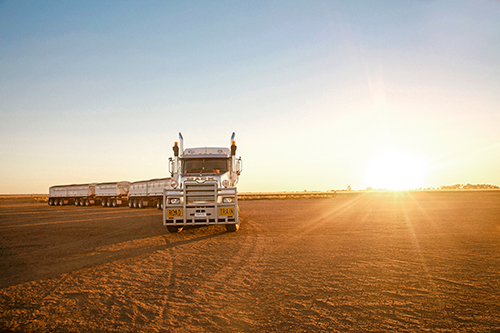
[355, 262]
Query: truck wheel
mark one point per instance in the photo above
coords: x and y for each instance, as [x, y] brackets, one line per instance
[82, 202]
[103, 202]
[173, 229]
[108, 203]
[87, 202]
[130, 204]
[61, 202]
[158, 204]
[113, 203]
[77, 202]
[140, 204]
[232, 227]
[135, 203]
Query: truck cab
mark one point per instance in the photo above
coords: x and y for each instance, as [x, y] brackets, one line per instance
[202, 187]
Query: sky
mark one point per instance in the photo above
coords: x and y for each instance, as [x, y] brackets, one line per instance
[321, 94]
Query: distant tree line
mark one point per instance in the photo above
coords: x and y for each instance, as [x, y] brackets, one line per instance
[469, 187]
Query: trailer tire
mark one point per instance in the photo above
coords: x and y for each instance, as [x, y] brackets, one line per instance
[82, 202]
[232, 227]
[103, 202]
[61, 202]
[87, 202]
[140, 204]
[158, 204]
[130, 204]
[50, 202]
[113, 203]
[108, 203]
[173, 229]
[134, 203]
[77, 202]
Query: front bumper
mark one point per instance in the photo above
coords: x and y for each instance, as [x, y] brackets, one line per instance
[200, 204]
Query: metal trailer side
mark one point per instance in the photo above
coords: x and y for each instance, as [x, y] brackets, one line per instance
[112, 194]
[58, 195]
[82, 194]
[148, 193]
[138, 192]
[155, 190]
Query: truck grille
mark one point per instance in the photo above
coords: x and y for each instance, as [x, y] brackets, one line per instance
[200, 193]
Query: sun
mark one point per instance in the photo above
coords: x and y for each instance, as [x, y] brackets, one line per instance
[394, 170]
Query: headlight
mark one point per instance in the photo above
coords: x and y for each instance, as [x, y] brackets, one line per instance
[225, 183]
[174, 201]
[173, 184]
[227, 200]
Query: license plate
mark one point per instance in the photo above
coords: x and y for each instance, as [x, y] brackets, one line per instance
[200, 214]
[226, 211]
[174, 212]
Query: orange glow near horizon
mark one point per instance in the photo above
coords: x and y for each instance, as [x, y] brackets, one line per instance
[395, 171]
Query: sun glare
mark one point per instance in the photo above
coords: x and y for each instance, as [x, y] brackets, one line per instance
[395, 171]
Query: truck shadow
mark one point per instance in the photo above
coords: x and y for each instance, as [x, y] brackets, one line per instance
[190, 238]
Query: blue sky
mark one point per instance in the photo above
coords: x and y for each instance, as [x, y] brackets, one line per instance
[315, 91]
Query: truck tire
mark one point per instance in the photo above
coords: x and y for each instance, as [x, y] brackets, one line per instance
[77, 202]
[82, 202]
[140, 204]
[131, 204]
[87, 202]
[232, 227]
[135, 203]
[103, 202]
[158, 204]
[113, 203]
[173, 229]
[108, 203]
[61, 202]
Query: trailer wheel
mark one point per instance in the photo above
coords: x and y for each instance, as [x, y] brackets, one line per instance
[77, 202]
[61, 202]
[173, 229]
[87, 202]
[130, 204]
[108, 203]
[158, 204]
[113, 203]
[50, 202]
[134, 203]
[140, 204]
[82, 202]
[232, 227]
[103, 202]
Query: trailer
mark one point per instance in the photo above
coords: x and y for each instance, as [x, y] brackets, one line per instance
[77, 194]
[147, 193]
[112, 194]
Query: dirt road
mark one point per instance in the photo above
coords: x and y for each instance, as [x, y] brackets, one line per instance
[377, 262]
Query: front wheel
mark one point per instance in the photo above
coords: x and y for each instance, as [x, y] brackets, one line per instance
[173, 229]
[232, 227]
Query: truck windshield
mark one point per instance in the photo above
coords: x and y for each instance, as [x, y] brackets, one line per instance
[205, 165]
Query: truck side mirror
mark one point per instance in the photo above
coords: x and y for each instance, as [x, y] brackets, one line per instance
[170, 166]
[239, 166]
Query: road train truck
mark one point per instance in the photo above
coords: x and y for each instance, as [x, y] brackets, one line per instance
[202, 187]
